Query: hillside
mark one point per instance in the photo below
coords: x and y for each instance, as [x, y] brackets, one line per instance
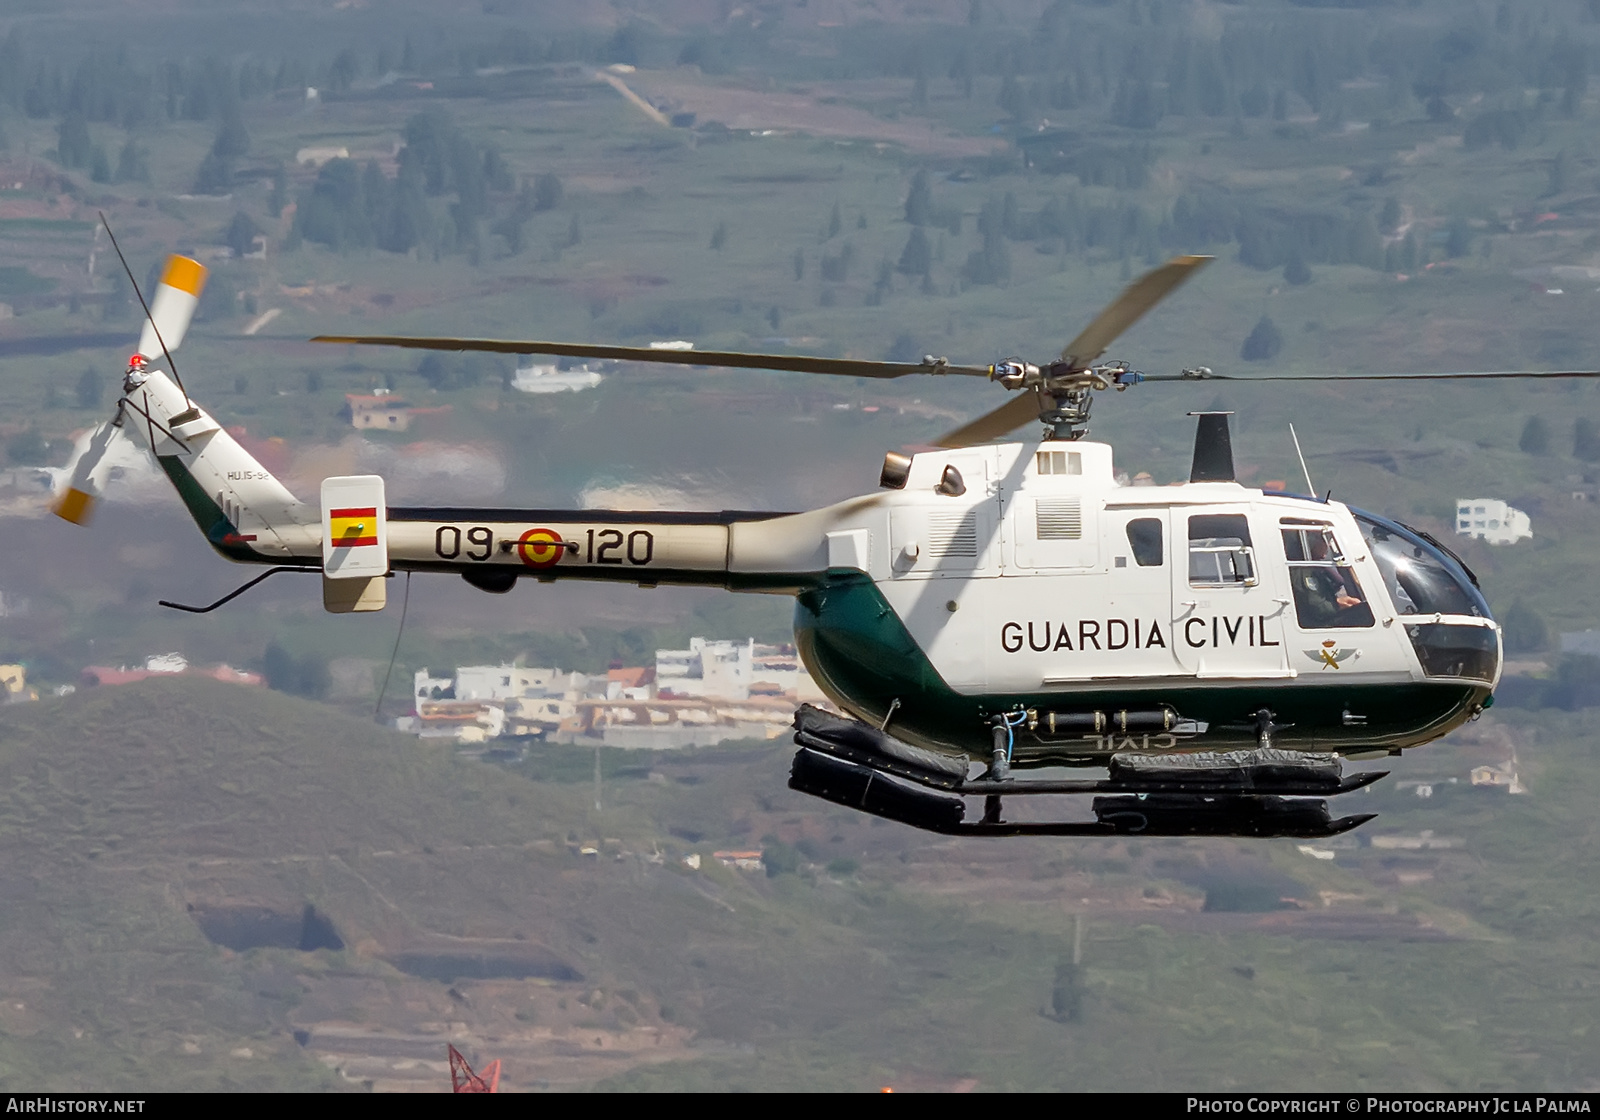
[151, 827]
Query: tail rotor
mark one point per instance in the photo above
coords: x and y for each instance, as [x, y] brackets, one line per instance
[167, 318]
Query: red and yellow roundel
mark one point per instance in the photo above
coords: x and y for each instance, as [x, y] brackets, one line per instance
[540, 548]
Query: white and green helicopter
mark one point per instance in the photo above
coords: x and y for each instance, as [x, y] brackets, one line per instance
[1216, 648]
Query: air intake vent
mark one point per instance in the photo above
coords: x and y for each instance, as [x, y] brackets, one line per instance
[953, 534]
[1060, 519]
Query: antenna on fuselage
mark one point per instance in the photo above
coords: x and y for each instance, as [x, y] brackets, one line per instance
[1310, 489]
[1213, 448]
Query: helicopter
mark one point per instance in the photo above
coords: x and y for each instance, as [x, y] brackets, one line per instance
[1009, 607]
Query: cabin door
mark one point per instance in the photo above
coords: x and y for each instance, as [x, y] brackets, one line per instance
[1227, 616]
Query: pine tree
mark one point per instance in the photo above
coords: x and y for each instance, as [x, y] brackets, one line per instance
[1525, 630]
[919, 201]
[546, 192]
[917, 257]
[1585, 440]
[73, 146]
[1263, 343]
[1535, 437]
[89, 389]
[241, 234]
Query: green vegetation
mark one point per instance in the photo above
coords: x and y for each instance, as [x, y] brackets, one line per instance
[864, 956]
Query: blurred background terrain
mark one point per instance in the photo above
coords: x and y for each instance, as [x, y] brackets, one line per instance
[219, 886]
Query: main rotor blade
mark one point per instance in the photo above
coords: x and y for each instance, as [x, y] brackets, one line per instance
[844, 367]
[1491, 375]
[1137, 298]
[1013, 414]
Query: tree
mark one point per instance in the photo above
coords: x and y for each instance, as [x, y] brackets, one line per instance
[132, 165]
[778, 858]
[917, 257]
[1066, 997]
[1577, 683]
[1585, 440]
[1389, 217]
[100, 165]
[1535, 437]
[1525, 629]
[233, 139]
[799, 265]
[277, 665]
[1296, 271]
[904, 348]
[1560, 173]
[333, 212]
[919, 200]
[279, 197]
[719, 236]
[73, 146]
[241, 234]
[1013, 100]
[89, 389]
[835, 222]
[992, 263]
[27, 446]
[306, 676]
[1263, 343]
[215, 175]
[883, 285]
[546, 192]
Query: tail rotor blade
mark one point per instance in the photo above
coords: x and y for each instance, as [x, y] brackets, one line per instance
[172, 307]
[88, 480]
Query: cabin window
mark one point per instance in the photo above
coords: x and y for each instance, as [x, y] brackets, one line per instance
[1058, 462]
[1220, 553]
[1327, 594]
[1144, 538]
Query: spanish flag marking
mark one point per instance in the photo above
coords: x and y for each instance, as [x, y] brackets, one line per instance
[541, 548]
[352, 528]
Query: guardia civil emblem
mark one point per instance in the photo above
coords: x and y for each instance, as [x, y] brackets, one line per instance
[1330, 656]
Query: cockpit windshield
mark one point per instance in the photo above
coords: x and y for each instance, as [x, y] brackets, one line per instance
[1421, 578]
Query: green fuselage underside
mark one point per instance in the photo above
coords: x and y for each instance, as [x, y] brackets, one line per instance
[860, 653]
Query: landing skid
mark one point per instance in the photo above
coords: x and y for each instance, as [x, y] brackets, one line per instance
[1262, 793]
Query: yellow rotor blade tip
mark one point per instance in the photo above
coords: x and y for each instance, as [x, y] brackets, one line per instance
[184, 274]
[75, 506]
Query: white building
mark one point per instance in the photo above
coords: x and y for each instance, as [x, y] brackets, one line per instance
[508, 682]
[724, 669]
[553, 379]
[1490, 519]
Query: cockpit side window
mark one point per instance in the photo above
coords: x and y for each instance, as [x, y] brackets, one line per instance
[1327, 594]
[1144, 538]
[1220, 553]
